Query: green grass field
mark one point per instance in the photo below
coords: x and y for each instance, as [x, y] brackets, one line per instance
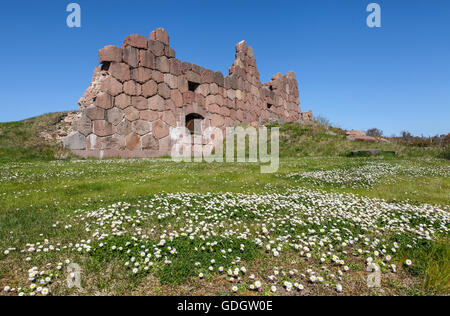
[155, 227]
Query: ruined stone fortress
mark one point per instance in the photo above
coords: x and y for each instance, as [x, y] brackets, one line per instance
[141, 92]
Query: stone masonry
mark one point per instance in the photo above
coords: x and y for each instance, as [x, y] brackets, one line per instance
[141, 92]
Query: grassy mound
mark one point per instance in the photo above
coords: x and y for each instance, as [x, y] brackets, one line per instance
[21, 140]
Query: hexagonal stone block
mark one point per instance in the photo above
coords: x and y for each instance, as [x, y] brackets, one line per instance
[162, 64]
[164, 90]
[157, 76]
[147, 59]
[169, 118]
[171, 81]
[141, 127]
[131, 114]
[104, 101]
[132, 88]
[84, 125]
[120, 71]
[75, 141]
[112, 86]
[124, 128]
[149, 89]
[133, 142]
[160, 35]
[122, 101]
[139, 103]
[160, 129]
[136, 40]
[115, 116]
[157, 48]
[156, 103]
[131, 56]
[110, 54]
[149, 116]
[141, 74]
[103, 128]
[177, 98]
[169, 52]
[149, 142]
[95, 113]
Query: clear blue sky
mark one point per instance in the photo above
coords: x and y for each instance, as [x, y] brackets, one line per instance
[394, 78]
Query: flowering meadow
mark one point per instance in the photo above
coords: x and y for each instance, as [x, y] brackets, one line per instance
[321, 226]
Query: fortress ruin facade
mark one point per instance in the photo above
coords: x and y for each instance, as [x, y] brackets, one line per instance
[141, 92]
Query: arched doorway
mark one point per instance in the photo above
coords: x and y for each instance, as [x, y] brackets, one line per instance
[194, 123]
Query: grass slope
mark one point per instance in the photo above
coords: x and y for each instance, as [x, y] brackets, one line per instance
[21, 140]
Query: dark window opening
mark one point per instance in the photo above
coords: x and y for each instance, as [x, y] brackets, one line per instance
[105, 65]
[269, 106]
[194, 123]
[193, 86]
[271, 88]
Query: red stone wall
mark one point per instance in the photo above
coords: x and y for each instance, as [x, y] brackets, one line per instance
[141, 91]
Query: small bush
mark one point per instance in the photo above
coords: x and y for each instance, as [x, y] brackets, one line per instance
[445, 154]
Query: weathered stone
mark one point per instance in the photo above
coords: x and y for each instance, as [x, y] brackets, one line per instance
[165, 145]
[133, 142]
[188, 97]
[169, 118]
[217, 120]
[157, 76]
[141, 127]
[120, 71]
[114, 116]
[104, 101]
[356, 133]
[162, 64]
[111, 86]
[149, 142]
[175, 66]
[183, 85]
[156, 103]
[177, 98]
[95, 113]
[131, 114]
[169, 52]
[132, 88]
[141, 74]
[124, 128]
[136, 40]
[84, 125]
[160, 129]
[291, 75]
[149, 115]
[219, 79]
[103, 128]
[139, 103]
[160, 35]
[171, 81]
[213, 88]
[164, 90]
[110, 54]
[75, 141]
[149, 89]
[207, 76]
[131, 56]
[193, 77]
[122, 101]
[147, 59]
[157, 48]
